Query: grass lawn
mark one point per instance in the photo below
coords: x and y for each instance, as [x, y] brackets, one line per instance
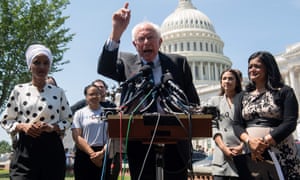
[4, 176]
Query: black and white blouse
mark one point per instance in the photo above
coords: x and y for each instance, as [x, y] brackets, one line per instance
[28, 105]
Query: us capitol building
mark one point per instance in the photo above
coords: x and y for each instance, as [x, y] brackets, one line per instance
[189, 32]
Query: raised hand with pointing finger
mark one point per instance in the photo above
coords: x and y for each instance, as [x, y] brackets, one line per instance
[120, 21]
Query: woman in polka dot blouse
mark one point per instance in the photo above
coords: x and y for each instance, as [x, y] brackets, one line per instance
[35, 115]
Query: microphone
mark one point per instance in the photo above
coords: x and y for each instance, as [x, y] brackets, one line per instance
[143, 88]
[167, 79]
[183, 107]
[144, 71]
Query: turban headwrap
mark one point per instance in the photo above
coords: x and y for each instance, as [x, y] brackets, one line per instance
[35, 50]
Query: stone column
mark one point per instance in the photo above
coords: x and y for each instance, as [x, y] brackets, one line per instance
[216, 72]
[292, 78]
[201, 71]
[209, 72]
[193, 67]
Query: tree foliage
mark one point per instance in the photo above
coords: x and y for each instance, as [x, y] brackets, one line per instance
[5, 147]
[24, 22]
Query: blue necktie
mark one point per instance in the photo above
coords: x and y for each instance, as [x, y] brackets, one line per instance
[151, 77]
[153, 107]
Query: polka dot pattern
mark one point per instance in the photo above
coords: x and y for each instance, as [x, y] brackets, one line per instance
[26, 104]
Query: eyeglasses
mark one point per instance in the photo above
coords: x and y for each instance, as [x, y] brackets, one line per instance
[149, 38]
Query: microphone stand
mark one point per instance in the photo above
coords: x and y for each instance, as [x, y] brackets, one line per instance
[159, 161]
[178, 100]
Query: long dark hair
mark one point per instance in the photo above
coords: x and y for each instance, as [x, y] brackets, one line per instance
[238, 84]
[274, 78]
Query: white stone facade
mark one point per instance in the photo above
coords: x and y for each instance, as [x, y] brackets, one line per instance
[289, 64]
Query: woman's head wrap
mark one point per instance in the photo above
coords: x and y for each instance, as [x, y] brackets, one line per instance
[35, 50]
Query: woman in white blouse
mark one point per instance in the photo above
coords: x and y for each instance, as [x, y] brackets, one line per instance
[35, 115]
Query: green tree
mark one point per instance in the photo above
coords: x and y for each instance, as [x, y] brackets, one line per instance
[5, 147]
[24, 22]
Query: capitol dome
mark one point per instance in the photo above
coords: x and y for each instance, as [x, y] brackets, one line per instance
[189, 32]
[186, 16]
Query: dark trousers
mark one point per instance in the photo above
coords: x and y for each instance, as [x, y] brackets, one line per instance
[84, 168]
[173, 165]
[38, 158]
[252, 170]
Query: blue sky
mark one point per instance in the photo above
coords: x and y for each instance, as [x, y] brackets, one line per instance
[244, 27]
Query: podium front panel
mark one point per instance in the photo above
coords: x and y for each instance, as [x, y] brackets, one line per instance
[170, 127]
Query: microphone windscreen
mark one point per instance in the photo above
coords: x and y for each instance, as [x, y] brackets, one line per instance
[146, 70]
[166, 77]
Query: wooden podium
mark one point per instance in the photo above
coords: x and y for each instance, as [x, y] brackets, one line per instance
[171, 127]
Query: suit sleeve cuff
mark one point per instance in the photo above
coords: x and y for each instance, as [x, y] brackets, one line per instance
[111, 45]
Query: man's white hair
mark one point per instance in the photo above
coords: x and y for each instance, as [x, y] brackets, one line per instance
[139, 25]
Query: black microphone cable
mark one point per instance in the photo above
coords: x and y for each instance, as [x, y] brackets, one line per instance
[166, 101]
[168, 81]
[129, 89]
[131, 117]
[169, 98]
[183, 107]
[143, 88]
[176, 96]
[152, 97]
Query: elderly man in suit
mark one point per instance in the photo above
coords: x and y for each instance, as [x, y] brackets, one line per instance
[121, 66]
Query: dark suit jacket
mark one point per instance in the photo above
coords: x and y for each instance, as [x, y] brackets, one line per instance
[120, 66]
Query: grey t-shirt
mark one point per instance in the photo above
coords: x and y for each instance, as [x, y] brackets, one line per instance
[94, 128]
